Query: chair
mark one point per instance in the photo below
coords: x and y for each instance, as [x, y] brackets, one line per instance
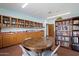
[25, 53]
[32, 53]
[50, 52]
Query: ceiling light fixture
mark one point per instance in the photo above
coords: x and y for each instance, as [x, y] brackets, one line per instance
[58, 15]
[24, 5]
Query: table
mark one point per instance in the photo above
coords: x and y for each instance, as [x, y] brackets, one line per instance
[38, 45]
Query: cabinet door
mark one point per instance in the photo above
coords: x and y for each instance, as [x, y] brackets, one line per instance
[7, 39]
[11, 39]
[19, 37]
[0, 40]
[6, 21]
[14, 22]
[0, 21]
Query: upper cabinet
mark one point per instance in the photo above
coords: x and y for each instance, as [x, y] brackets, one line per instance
[21, 23]
[6, 21]
[0, 21]
[11, 22]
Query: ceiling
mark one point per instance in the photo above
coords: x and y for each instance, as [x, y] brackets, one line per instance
[42, 10]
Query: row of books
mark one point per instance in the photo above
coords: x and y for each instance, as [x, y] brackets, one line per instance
[64, 27]
[75, 40]
[64, 33]
[75, 33]
[63, 38]
[67, 22]
[76, 22]
[75, 27]
[64, 23]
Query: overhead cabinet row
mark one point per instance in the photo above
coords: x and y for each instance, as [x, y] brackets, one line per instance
[6, 21]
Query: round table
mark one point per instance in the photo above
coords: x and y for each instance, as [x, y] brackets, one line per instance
[38, 45]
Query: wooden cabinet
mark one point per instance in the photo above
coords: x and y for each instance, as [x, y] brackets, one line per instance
[14, 38]
[11, 38]
[14, 22]
[21, 23]
[8, 39]
[19, 37]
[0, 40]
[7, 21]
[26, 24]
[0, 21]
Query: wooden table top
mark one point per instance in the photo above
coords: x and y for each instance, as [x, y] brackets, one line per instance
[38, 44]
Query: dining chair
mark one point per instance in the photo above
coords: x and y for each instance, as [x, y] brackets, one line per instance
[24, 51]
[32, 53]
[50, 52]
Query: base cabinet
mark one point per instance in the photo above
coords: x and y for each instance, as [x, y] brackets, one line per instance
[14, 38]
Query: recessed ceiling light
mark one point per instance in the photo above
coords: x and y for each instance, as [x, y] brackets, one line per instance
[58, 15]
[24, 5]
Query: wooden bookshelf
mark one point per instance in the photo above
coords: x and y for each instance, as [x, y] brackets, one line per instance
[8, 21]
[67, 32]
[63, 33]
[75, 37]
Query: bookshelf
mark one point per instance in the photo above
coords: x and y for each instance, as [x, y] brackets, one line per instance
[67, 32]
[75, 37]
[12, 22]
[63, 32]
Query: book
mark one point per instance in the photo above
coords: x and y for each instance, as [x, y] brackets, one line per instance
[76, 22]
[75, 39]
[67, 38]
